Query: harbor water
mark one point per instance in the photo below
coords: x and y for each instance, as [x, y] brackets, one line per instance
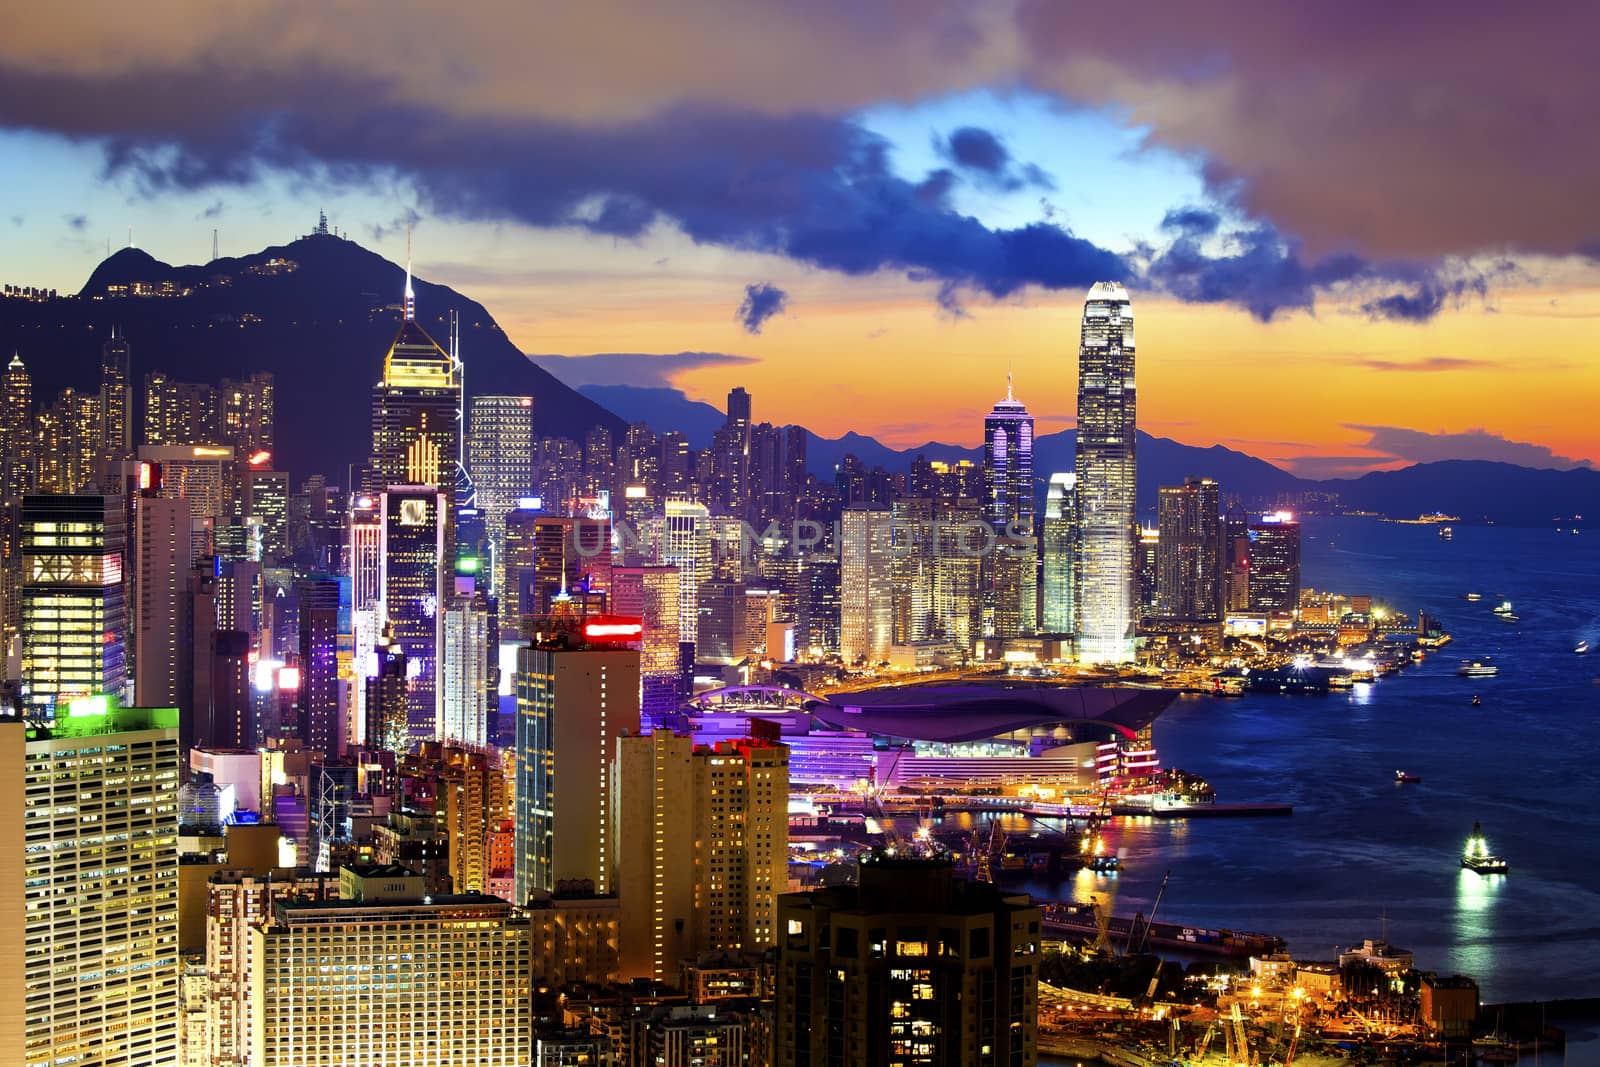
[1364, 856]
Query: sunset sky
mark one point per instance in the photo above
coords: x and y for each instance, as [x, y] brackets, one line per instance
[1356, 235]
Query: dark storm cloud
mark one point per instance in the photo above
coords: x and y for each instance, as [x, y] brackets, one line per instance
[809, 185]
[987, 162]
[1417, 446]
[761, 302]
[632, 368]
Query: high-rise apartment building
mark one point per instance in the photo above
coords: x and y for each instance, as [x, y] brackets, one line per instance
[866, 578]
[179, 413]
[1189, 554]
[246, 414]
[1059, 538]
[461, 991]
[500, 457]
[89, 963]
[1275, 563]
[1106, 476]
[576, 696]
[73, 617]
[702, 848]
[411, 554]
[910, 967]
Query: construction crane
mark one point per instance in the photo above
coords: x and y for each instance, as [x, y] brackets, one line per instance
[1138, 944]
[1205, 1042]
[1241, 1040]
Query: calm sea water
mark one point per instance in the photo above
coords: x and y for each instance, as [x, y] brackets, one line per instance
[1363, 857]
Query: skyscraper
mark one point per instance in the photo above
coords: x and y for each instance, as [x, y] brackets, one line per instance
[416, 408]
[866, 587]
[116, 398]
[1189, 553]
[321, 727]
[160, 624]
[686, 544]
[1060, 539]
[1008, 465]
[412, 583]
[650, 593]
[1106, 474]
[89, 945]
[1010, 571]
[1275, 562]
[74, 616]
[575, 699]
[702, 848]
[500, 454]
[464, 667]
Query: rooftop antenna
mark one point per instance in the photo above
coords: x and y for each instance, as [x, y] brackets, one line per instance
[1008, 382]
[411, 297]
[130, 236]
[213, 244]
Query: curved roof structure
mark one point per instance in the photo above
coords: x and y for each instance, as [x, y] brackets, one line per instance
[952, 713]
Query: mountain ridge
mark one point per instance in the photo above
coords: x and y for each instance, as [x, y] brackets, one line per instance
[321, 327]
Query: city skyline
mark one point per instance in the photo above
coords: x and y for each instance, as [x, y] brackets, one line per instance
[1414, 291]
[586, 676]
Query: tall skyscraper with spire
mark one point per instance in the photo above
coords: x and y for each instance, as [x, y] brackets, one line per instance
[416, 444]
[1010, 572]
[1106, 477]
[415, 411]
[1008, 464]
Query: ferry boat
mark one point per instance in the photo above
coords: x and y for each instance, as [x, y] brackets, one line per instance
[1503, 608]
[1478, 858]
[1477, 668]
[1471, 596]
[1509, 617]
[1403, 777]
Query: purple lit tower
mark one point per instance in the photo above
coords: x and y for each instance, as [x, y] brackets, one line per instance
[1010, 571]
[1008, 465]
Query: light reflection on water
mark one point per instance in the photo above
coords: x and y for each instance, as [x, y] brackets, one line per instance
[1478, 899]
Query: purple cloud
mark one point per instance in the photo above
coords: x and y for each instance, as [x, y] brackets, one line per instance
[761, 302]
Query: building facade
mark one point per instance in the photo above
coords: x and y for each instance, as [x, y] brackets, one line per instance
[89, 964]
[1106, 476]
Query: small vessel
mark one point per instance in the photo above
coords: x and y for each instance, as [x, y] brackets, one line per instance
[1509, 617]
[1476, 700]
[1402, 777]
[1477, 668]
[1097, 859]
[1446, 533]
[1581, 648]
[1477, 856]
[1472, 596]
[1503, 608]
